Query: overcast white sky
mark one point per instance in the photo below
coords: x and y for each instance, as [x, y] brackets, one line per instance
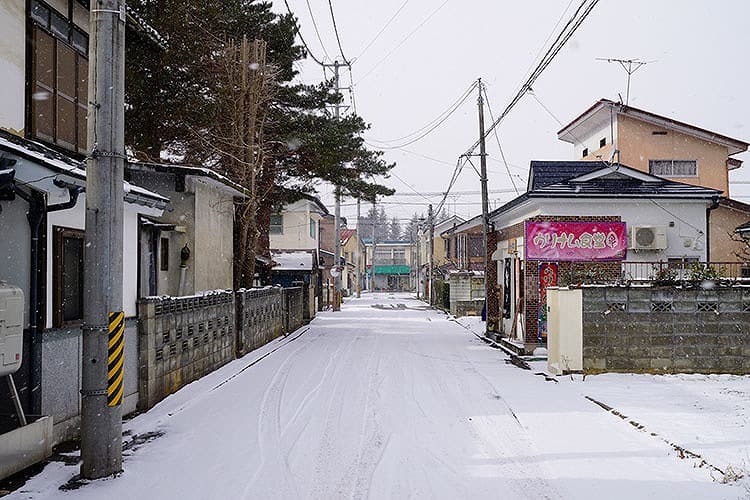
[699, 76]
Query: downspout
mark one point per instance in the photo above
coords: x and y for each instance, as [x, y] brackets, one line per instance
[38, 211]
[714, 205]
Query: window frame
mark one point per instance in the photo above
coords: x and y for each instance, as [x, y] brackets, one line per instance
[652, 164]
[163, 254]
[276, 228]
[59, 234]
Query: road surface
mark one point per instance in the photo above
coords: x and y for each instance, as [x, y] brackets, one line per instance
[384, 399]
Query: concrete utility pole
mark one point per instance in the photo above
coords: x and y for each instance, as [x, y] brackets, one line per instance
[485, 208]
[372, 264]
[430, 256]
[337, 211]
[103, 317]
[358, 256]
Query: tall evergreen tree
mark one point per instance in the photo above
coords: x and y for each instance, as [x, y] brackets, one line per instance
[177, 102]
[394, 229]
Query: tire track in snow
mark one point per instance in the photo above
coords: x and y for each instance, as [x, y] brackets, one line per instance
[281, 371]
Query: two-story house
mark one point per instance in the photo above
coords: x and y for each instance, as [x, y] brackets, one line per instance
[664, 147]
[43, 134]
[295, 229]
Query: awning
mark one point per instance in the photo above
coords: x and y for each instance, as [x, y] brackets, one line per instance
[392, 270]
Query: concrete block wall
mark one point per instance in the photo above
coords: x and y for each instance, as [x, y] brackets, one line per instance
[293, 304]
[260, 317]
[180, 340]
[666, 330]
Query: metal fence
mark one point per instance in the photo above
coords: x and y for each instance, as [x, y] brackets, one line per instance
[662, 272]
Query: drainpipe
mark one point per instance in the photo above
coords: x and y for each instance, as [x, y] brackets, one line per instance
[38, 211]
[714, 205]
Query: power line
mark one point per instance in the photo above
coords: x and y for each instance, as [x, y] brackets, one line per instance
[381, 61]
[315, 25]
[497, 138]
[299, 34]
[336, 31]
[439, 119]
[581, 13]
[433, 125]
[388, 23]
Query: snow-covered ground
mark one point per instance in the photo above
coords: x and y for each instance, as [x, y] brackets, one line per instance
[387, 399]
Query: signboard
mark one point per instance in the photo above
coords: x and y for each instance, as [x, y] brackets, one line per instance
[547, 278]
[576, 241]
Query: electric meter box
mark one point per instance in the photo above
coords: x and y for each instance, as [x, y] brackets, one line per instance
[11, 328]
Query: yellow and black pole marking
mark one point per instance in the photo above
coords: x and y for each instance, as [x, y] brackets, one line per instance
[115, 358]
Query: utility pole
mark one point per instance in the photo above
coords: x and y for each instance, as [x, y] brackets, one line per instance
[337, 210]
[485, 208]
[372, 265]
[430, 260]
[103, 317]
[358, 256]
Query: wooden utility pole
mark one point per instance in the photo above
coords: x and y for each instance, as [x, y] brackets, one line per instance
[485, 208]
[102, 377]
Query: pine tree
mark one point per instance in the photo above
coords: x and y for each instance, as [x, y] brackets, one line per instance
[394, 229]
[177, 101]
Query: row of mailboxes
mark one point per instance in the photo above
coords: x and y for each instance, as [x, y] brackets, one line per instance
[11, 328]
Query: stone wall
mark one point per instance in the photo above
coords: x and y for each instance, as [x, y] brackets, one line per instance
[666, 330]
[181, 339]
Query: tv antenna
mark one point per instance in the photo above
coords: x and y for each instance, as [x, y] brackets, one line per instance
[630, 66]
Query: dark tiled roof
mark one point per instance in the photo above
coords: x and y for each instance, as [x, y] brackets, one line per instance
[744, 228]
[544, 173]
[562, 179]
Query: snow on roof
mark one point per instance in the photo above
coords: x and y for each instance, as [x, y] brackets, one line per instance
[37, 152]
[293, 261]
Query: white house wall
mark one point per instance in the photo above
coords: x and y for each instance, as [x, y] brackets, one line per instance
[12, 64]
[74, 218]
[296, 228]
[686, 239]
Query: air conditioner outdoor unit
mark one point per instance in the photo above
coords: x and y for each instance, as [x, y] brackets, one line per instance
[648, 238]
[11, 328]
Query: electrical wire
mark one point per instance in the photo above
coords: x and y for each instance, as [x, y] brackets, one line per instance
[497, 138]
[408, 185]
[299, 34]
[388, 23]
[315, 25]
[336, 31]
[430, 127]
[442, 116]
[381, 61]
[581, 13]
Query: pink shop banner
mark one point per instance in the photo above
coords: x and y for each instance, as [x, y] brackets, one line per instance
[578, 241]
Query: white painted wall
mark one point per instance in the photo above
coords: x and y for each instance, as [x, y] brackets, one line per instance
[75, 218]
[296, 232]
[12, 64]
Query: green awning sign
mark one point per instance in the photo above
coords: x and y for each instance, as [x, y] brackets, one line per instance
[392, 270]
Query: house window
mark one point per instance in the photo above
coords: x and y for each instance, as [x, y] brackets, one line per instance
[585, 152]
[476, 244]
[673, 168]
[164, 254]
[67, 276]
[59, 79]
[313, 231]
[277, 224]
[602, 142]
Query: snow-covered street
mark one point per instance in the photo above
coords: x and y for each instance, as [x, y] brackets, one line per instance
[389, 399]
